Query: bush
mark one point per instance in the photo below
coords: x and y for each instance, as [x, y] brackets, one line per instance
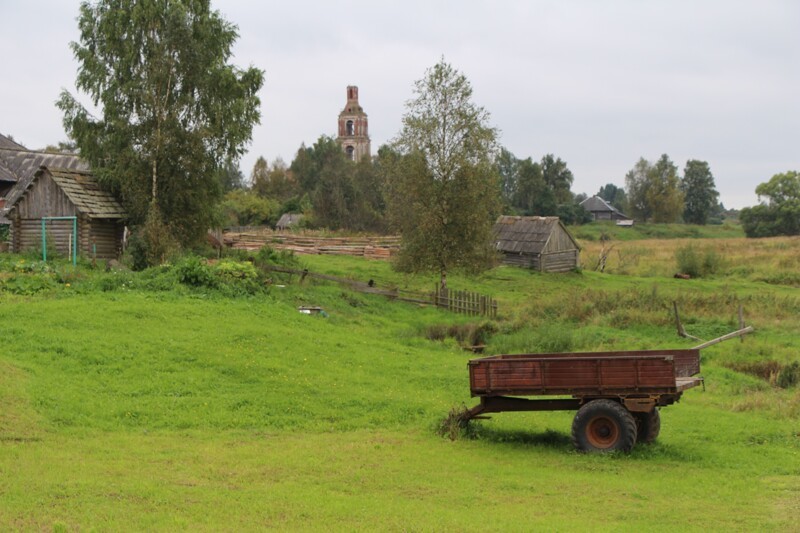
[692, 263]
[195, 272]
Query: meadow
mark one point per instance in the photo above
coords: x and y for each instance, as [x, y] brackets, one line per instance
[133, 401]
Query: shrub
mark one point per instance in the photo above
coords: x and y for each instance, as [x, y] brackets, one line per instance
[195, 272]
[692, 263]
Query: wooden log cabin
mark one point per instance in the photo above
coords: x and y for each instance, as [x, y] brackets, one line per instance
[72, 208]
[539, 243]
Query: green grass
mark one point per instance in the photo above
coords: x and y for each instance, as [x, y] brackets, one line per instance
[639, 231]
[171, 409]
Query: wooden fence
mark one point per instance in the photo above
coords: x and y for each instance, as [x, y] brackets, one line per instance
[465, 302]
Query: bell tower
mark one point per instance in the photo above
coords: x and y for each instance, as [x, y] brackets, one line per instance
[353, 133]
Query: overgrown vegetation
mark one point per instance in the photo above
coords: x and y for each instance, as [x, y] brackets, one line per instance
[178, 398]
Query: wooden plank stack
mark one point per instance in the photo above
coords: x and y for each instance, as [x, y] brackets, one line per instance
[370, 247]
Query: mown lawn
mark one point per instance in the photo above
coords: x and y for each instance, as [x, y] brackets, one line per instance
[175, 410]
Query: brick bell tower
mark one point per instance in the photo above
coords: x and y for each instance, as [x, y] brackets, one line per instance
[353, 133]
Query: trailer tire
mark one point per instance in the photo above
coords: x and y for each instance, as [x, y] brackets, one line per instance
[603, 426]
[648, 426]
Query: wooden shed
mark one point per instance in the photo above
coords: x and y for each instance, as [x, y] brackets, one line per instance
[70, 207]
[539, 243]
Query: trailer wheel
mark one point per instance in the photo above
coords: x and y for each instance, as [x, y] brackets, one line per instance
[603, 426]
[648, 426]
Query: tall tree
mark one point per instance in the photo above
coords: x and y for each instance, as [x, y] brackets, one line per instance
[444, 193]
[507, 166]
[663, 193]
[779, 210]
[533, 196]
[558, 178]
[700, 194]
[259, 176]
[637, 183]
[654, 190]
[172, 109]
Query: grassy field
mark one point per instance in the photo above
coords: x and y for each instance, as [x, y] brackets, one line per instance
[152, 406]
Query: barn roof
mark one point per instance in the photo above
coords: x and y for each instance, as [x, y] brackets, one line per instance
[289, 219]
[595, 204]
[6, 142]
[20, 167]
[84, 191]
[525, 235]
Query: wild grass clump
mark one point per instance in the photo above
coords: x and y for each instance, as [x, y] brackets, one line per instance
[542, 338]
[456, 425]
[789, 375]
[470, 334]
[766, 370]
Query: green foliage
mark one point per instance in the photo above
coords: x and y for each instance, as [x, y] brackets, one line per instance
[696, 264]
[196, 272]
[27, 284]
[780, 214]
[699, 192]
[343, 194]
[443, 185]
[152, 243]
[573, 214]
[117, 405]
[533, 195]
[653, 191]
[614, 195]
[557, 177]
[270, 256]
[275, 182]
[172, 110]
[230, 177]
[247, 208]
[4, 232]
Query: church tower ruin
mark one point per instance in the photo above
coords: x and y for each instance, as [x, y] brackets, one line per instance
[353, 134]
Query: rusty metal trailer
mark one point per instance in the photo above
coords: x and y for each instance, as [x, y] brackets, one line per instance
[616, 394]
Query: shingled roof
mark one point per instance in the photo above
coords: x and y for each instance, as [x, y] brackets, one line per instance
[20, 166]
[595, 204]
[524, 235]
[6, 142]
[84, 191]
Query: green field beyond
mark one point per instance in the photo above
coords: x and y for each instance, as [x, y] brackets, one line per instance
[136, 408]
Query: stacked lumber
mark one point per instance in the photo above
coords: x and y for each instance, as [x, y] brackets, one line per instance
[370, 247]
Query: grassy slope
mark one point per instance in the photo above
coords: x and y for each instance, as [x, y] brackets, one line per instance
[135, 411]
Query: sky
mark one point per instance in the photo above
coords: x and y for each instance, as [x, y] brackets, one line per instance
[599, 84]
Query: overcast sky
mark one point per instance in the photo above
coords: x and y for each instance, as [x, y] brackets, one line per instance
[597, 83]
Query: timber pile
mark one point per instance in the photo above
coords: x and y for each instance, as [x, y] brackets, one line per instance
[370, 247]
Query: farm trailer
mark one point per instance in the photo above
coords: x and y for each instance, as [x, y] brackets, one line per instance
[616, 394]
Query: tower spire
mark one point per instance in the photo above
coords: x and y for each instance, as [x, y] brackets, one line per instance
[353, 127]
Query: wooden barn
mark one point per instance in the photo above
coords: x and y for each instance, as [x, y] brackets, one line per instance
[602, 210]
[539, 243]
[70, 207]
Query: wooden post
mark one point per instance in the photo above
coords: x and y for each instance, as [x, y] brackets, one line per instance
[745, 331]
[741, 321]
